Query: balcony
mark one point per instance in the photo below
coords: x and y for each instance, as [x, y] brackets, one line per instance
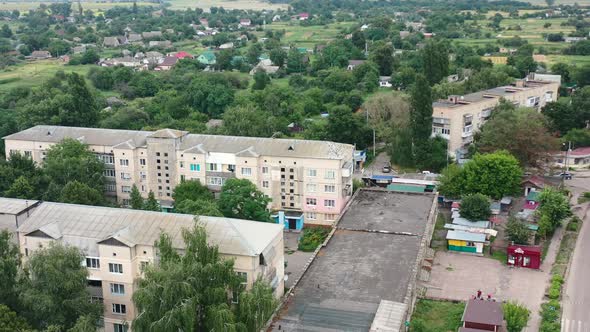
[467, 131]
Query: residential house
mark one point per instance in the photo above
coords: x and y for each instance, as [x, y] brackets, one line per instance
[226, 46]
[458, 117]
[276, 18]
[300, 176]
[167, 63]
[40, 55]
[385, 82]
[207, 58]
[428, 35]
[151, 34]
[302, 16]
[182, 55]
[110, 42]
[160, 43]
[153, 57]
[134, 38]
[364, 27]
[533, 183]
[126, 61]
[354, 63]
[265, 65]
[119, 243]
[204, 22]
[482, 315]
[245, 22]
[573, 39]
[574, 159]
[404, 34]
[79, 49]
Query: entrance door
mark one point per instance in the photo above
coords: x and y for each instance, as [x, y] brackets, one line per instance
[292, 223]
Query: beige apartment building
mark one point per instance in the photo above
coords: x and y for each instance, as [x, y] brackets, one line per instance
[309, 180]
[459, 117]
[117, 243]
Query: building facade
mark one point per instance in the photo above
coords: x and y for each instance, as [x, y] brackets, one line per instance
[459, 117]
[309, 180]
[118, 243]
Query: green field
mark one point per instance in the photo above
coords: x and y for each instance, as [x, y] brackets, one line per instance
[308, 36]
[437, 316]
[35, 72]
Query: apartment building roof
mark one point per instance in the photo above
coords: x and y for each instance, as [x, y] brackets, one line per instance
[15, 206]
[249, 146]
[494, 93]
[86, 226]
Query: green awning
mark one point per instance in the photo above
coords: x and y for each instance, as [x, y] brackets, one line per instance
[406, 188]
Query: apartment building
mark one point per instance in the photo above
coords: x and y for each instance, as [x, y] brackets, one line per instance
[119, 242]
[13, 213]
[459, 117]
[309, 180]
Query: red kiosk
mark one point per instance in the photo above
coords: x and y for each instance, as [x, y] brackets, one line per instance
[524, 256]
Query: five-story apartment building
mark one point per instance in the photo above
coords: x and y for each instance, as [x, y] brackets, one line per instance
[309, 180]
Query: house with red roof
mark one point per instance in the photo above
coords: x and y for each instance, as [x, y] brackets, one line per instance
[533, 183]
[245, 22]
[204, 22]
[182, 54]
[576, 158]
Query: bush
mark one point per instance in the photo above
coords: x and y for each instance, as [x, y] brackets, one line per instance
[554, 292]
[550, 311]
[312, 238]
[475, 207]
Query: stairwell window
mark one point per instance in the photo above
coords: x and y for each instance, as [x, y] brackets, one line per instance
[246, 171]
[330, 188]
[330, 174]
[329, 203]
[124, 162]
[92, 263]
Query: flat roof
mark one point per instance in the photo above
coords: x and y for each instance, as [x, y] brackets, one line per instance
[357, 269]
[15, 206]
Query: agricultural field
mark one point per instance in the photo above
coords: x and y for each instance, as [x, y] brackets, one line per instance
[308, 36]
[32, 73]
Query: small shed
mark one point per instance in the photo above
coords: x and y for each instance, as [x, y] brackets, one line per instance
[467, 222]
[524, 256]
[505, 203]
[532, 200]
[533, 183]
[481, 315]
[495, 207]
[465, 242]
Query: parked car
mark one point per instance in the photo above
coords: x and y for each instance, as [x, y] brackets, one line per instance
[386, 169]
[426, 172]
[566, 175]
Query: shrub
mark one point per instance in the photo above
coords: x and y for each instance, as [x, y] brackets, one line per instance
[312, 238]
[554, 292]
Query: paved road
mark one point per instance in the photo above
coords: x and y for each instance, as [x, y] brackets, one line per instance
[576, 303]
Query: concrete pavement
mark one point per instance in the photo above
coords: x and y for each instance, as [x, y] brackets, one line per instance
[576, 300]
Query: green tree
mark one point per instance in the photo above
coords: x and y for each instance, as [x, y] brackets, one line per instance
[261, 79]
[278, 56]
[495, 175]
[578, 137]
[75, 192]
[241, 199]
[475, 207]
[256, 306]
[295, 61]
[84, 324]
[358, 39]
[179, 293]
[562, 117]
[11, 322]
[383, 57]
[420, 116]
[523, 132]
[191, 190]
[516, 316]
[58, 48]
[253, 53]
[249, 121]
[9, 267]
[554, 205]
[451, 181]
[135, 199]
[517, 231]
[20, 188]
[198, 207]
[71, 160]
[581, 75]
[562, 69]
[5, 32]
[151, 204]
[55, 290]
[435, 59]
[346, 127]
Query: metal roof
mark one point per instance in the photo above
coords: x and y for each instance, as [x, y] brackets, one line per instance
[467, 222]
[85, 226]
[483, 312]
[15, 206]
[209, 143]
[465, 236]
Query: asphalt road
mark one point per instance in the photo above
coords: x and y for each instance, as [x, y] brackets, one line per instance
[576, 303]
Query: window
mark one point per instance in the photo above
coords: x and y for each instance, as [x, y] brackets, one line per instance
[264, 170]
[125, 176]
[115, 268]
[142, 162]
[195, 167]
[120, 309]
[124, 162]
[244, 277]
[212, 167]
[311, 215]
[108, 159]
[110, 187]
[330, 217]
[143, 265]
[92, 263]
[329, 188]
[96, 299]
[143, 175]
[109, 173]
[329, 203]
[311, 201]
[214, 181]
[246, 171]
[311, 187]
[312, 172]
[330, 174]
[264, 184]
[126, 189]
[118, 289]
[119, 327]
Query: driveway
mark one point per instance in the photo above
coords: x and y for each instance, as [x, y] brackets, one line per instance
[295, 259]
[457, 276]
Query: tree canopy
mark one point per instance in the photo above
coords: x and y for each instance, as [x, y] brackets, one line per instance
[241, 199]
[475, 207]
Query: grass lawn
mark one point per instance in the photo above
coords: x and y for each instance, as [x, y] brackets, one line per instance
[35, 72]
[436, 316]
[303, 36]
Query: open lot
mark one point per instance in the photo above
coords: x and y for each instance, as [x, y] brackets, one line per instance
[33, 72]
[308, 36]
